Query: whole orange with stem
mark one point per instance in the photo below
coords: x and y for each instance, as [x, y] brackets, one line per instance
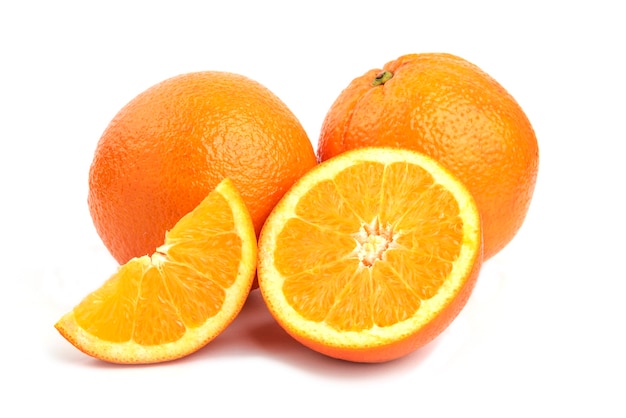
[173, 143]
[448, 108]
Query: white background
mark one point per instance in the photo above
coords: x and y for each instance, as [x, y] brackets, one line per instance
[543, 334]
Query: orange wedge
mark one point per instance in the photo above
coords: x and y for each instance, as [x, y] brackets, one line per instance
[371, 254]
[168, 305]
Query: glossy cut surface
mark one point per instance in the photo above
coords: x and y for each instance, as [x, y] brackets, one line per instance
[371, 254]
[170, 304]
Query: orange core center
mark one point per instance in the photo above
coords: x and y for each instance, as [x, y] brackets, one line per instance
[372, 241]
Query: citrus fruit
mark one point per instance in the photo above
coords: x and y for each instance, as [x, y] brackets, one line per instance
[173, 143]
[170, 304]
[451, 110]
[371, 254]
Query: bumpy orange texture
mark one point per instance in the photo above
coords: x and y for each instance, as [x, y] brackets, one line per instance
[173, 143]
[451, 110]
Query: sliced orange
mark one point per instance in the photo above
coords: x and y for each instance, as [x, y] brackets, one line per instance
[168, 305]
[371, 254]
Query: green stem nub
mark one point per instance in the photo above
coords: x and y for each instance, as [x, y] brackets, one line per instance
[382, 78]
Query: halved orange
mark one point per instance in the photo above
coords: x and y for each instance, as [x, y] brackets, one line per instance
[168, 305]
[371, 254]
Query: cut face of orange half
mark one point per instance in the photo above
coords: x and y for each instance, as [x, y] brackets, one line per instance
[371, 254]
[168, 305]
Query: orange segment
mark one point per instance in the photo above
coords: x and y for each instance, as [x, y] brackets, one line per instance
[168, 305]
[371, 254]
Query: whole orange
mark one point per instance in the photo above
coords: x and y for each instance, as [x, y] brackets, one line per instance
[172, 144]
[451, 110]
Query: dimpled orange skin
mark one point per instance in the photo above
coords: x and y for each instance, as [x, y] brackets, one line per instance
[449, 109]
[172, 144]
